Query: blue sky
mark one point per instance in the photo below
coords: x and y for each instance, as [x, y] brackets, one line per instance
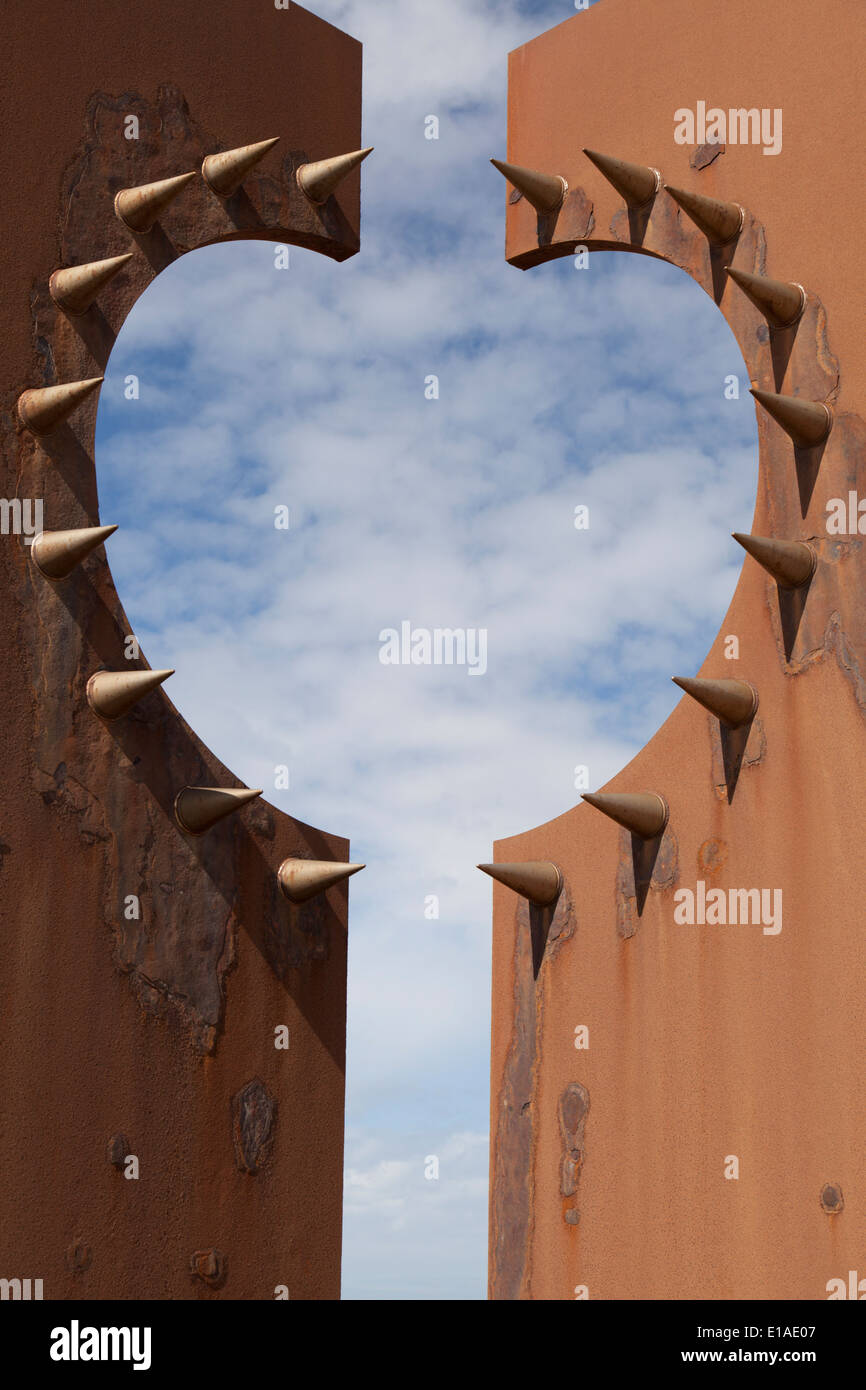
[305, 387]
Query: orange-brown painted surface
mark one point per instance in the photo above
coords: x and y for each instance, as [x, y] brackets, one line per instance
[154, 1035]
[711, 1048]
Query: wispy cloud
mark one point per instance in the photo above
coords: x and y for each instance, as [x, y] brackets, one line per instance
[416, 1205]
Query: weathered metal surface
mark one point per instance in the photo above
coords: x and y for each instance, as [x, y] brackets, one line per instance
[210, 1266]
[224, 173]
[57, 553]
[146, 1021]
[198, 809]
[76, 287]
[781, 304]
[734, 703]
[303, 879]
[539, 883]
[544, 191]
[319, 180]
[142, 207]
[254, 1112]
[118, 1148]
[111, 694]
[637, 184]
[512, 1122]
[704, 1044]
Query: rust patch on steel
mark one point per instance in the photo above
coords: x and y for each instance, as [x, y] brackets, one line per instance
[732, 750]
[118, 1148]
[210, 1266]
[832, 1200]
[574, 222]
[703, 155]
[79, 1257]
[254, 1112]
[712, 857]
[573, 1113]
[510, 1196]
[563, 924]
[643, 866]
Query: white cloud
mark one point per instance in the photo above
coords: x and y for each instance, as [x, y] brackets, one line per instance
[409, 1225]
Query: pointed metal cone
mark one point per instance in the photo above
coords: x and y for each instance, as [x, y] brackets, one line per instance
[44, 408]
[138, 208]
[75, 287]
[720, 223]
[301, 879]
[643, 813]
[112, 693]
[544, 191]
[224, 173]
[319, 180]
[636, 183]
[791, 563]
[733, 702]
[196, 809]
[807, 422]
[538, 881]
[780, 301]
[56, 553]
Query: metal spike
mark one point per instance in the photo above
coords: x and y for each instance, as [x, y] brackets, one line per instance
[319, 180]
[138, 208]
[224, 173]
[76, 286]
[638, 184]
[643, 813]
[782, 302]
[544, 191]
[721, 223]
[538, 881]
[112, 693]
[196, 809]
[42, 409]
[791, 563]
[734, 703]
[301, 879]
[56, 553]
[807, 422]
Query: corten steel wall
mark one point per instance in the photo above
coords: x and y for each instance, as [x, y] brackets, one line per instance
[706, 1041]
[149, 1033]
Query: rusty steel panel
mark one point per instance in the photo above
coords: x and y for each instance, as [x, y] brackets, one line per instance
[150, 1036]
[703, 1137]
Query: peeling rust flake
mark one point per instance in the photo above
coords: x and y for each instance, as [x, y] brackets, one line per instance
[253, 1115]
